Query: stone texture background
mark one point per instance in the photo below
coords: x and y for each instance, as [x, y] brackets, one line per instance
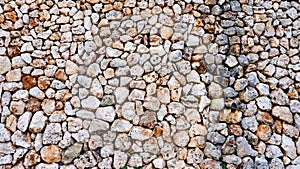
[151, 84]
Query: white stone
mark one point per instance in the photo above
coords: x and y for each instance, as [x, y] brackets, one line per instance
[140, 133]
[121, 125]
[38, 122]
[121, 94]
[4, 134]
[264, 103]
[128, 110]
[193, 40]
[71, 68]
[98, 126]
[96, 88]
[204, 102]
[27, 47]
[5, 65]
[90, 103]
[36, 92]
[23, 121]
[289, 147]
[106, 113]
[120, 159]
[159, 163]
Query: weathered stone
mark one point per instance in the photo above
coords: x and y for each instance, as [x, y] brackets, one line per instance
[52, 133]
[289, 147]
[212, 151]
[21, 139]
[38, 122]
[71, 153]
[51, 154]
[166, 32]
[243, 148]
[140, 133]
[17, 108]
[181, 138]
[264, 132]
[282, 113]
[31, 158]
[28, 81]
[5, 65]
[98, 126]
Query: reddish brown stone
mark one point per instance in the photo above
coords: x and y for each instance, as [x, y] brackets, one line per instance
[33, 22]
[33, 105]
[235, 130]
[28, 81]
[59, 105]
[264, 117]
[2, 18]
[264, 132]
[11, 123]
[198, 22]
[43, 82]
[11, 16]
[118, 6]
[157, 131]
[235, 50]
[277, 127]
[13, 51]
[51, 154]
[199, 66]
[31, 158]
[61, 75]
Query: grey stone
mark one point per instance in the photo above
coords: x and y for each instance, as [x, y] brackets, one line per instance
[71, 153]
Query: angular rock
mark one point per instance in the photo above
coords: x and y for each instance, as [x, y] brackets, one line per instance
[52, 133]
[106, 113]
[244, 149]
[282, 113]
[212, 151]
[289, 147]
[5, 65]
[98, 126]
[71, 153]
[121, 94]
[140, 133]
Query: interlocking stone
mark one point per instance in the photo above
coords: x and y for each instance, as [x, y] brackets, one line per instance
[164, 84]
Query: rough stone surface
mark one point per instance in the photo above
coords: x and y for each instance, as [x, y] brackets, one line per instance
[151, 84]
[51, 154]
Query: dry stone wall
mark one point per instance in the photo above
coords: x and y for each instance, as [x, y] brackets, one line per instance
[149, 84]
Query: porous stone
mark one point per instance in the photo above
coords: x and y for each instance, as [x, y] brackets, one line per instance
[51, 154]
